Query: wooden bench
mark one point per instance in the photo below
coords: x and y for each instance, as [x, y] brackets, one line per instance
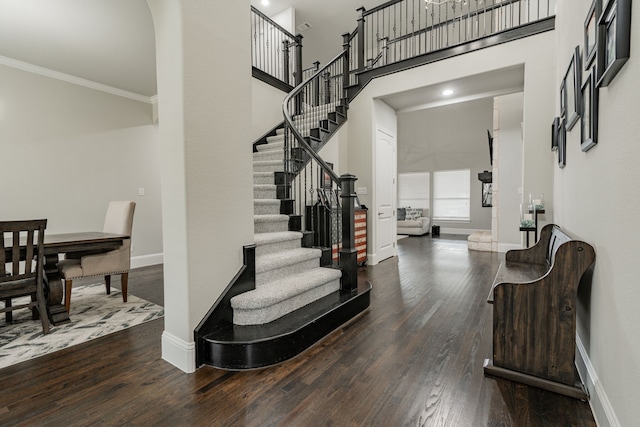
[534, 297]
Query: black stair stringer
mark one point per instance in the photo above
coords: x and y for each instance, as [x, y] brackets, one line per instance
[221, 314]
[248, 347]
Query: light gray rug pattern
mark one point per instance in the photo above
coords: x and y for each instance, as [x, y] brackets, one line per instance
[93, 314]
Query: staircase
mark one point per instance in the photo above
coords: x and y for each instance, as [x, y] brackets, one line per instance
[288, 276]
[288, 296]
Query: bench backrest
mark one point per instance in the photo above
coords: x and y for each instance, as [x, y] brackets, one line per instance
[557, 238]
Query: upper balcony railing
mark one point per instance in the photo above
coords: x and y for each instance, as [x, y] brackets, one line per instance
[275, 51]
[403, 29]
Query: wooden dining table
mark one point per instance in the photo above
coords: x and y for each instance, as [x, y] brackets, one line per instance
[56, 244]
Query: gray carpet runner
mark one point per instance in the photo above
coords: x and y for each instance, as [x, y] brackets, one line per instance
[288, 276]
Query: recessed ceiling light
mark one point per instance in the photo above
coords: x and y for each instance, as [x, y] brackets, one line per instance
[265, 2]
[447, 92]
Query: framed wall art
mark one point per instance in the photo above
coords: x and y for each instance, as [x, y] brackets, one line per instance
[614, 37]
[572, 85]
[589, 124]
[554, 133]
[563, 100]
[326, 179]
[562, 145]
[487, 194]
[590, 34]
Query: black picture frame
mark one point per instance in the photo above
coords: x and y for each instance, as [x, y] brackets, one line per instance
[572, 85]
[555, 126]
[326, 178]
[614, 40]
[563, 100]
[589, 123]
[487, 194]
[591, 34]
[562, 145]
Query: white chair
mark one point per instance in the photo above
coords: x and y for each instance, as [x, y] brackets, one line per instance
[119, 220]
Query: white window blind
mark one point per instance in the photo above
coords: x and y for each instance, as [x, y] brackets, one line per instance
[413, 190]
[451, 194]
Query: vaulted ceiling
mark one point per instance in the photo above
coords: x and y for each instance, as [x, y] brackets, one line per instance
[112, 42]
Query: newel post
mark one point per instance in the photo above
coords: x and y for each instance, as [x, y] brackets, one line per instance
[362, 10]
[346, 46]
[348, 253]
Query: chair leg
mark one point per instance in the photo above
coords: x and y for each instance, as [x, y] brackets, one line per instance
[124, 280]
[8, 314]
[42, 309]
[67, 294]
[34, 308]
[107, 284]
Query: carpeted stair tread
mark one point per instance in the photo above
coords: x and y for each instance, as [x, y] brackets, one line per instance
[268, 165]
[276, 242]
[270, 218]
[272, 146]
[283, 289]
[287, 258]
[267, 162]
[268, 238]
[263, 178]
[264, 186]
[275, 138]
[268, 155]
[266, 206]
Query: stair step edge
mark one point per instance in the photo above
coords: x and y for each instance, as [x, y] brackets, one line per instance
[273, 261]
[274, 292]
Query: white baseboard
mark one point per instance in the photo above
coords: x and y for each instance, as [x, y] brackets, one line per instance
[146, 260]
[179, 353]
[504, 247]
[465, 231]
[601, 407]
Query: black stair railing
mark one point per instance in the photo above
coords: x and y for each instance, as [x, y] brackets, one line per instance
[325, 201]
[275, 51]
[403, 29]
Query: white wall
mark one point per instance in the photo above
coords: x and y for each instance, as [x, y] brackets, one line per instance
[207, 198]
[286, 19]
[539, 98]
[508, 162]
[596, 198]
[68, 150]
[266, 108]
[452, 137]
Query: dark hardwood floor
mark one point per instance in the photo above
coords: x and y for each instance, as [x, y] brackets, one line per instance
[414, 358]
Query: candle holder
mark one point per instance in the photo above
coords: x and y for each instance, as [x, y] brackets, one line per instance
[527, 219]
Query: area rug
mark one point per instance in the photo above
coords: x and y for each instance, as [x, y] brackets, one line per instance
[93, 314]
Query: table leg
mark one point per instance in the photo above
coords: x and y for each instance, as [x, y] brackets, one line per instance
[54, 291]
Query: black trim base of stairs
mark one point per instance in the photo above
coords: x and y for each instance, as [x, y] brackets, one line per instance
[237, 347]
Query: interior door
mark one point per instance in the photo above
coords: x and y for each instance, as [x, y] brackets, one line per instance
[385, 182]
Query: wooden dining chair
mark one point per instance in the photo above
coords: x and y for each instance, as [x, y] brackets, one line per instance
[118, 220]
[22, 244]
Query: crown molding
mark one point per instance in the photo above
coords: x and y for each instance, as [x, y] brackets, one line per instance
[25, 66]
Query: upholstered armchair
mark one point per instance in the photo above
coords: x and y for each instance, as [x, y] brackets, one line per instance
[119, 220]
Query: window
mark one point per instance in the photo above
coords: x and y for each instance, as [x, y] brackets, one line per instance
[413, 190]
[451, 193]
